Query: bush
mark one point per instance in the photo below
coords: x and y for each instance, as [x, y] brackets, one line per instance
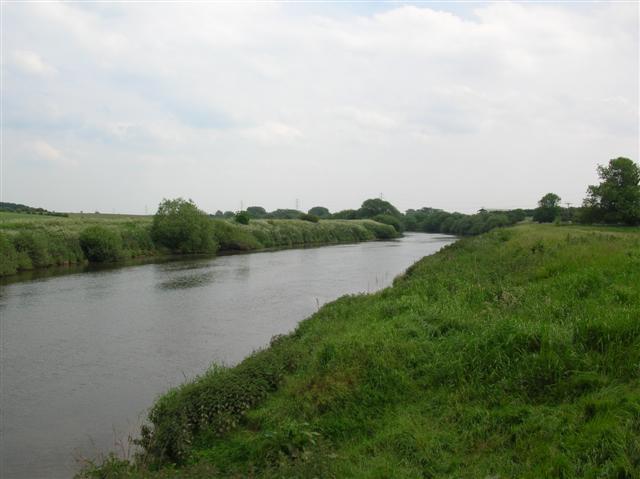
[230, 236]
[136, 240]
[345, 215]
[389, 220]
[320, 212]
[243, 218]
[8, 256]
[309, 217]
[101, 245]
[182, 228]
[35, 246]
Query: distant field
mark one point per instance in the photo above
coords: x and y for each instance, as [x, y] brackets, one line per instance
[75, 222]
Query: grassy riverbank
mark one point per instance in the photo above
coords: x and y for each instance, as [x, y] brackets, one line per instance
[37, 241]
[511, 354]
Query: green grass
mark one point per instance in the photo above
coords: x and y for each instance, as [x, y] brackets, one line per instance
[30, 241]
[511, 354]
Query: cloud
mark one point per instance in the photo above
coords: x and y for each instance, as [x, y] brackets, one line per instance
[367, 119]
[455, 106]
[30, 62]
[273, 133]
[44, 151]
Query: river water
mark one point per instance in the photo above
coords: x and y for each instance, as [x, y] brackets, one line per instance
[84, 355]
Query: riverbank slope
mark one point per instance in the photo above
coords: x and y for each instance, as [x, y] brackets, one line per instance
[30, 241]
[511, 354]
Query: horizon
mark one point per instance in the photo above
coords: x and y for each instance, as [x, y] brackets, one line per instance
[451, 105]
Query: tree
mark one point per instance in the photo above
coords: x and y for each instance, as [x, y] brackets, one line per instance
[284, 214]
[182, 228]
[616, 200]
[345, 215]
[320, 212]
[256, 212]
[375, 206]
[548, 208]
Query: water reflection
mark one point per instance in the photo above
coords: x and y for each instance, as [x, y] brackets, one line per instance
[188, 281]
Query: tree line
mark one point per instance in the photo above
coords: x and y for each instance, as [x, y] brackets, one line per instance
[615, 201]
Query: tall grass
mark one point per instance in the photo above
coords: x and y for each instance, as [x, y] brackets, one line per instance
[38, 241]
[511, 354]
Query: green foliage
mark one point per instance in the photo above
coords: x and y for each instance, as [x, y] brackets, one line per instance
[242, 217]
[101, 245]
[375, 207]
[8, 256]
[35, 246]
[320, 212]
[256, 212]
[548, 208]
[24, 209]
[182, 228]
[345, 215]
[389, 220]
[309, 217]
[136, 240]
[284, 214]
[56, 241]
[431, 220]
[616, 200]
[288, 233]
[232, 236]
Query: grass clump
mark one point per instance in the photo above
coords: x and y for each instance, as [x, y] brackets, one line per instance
[511, 354]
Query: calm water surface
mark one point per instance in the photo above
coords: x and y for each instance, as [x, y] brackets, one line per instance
[84, 355]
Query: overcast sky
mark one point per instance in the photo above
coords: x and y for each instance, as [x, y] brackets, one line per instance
[112, 107]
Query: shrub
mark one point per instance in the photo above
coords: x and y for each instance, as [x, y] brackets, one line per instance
[320, 212]
[35, 246]
[230, 236]
[389, 220]
[101, 245]
[8, 256]
[243, 218]
[182, 228]
[136, 240]
[309, 217]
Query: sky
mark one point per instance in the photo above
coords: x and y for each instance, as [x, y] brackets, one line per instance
[112, 107]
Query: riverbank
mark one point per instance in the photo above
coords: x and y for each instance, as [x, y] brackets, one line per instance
[511, 354]
[34, 242]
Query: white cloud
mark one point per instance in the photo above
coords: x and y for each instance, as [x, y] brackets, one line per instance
[31, 62]
[46, 151]
[273, 133]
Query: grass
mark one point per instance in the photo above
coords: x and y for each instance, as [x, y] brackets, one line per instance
[511, 354]
[30, 241]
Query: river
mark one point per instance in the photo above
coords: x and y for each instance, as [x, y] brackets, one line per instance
[84, 355]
